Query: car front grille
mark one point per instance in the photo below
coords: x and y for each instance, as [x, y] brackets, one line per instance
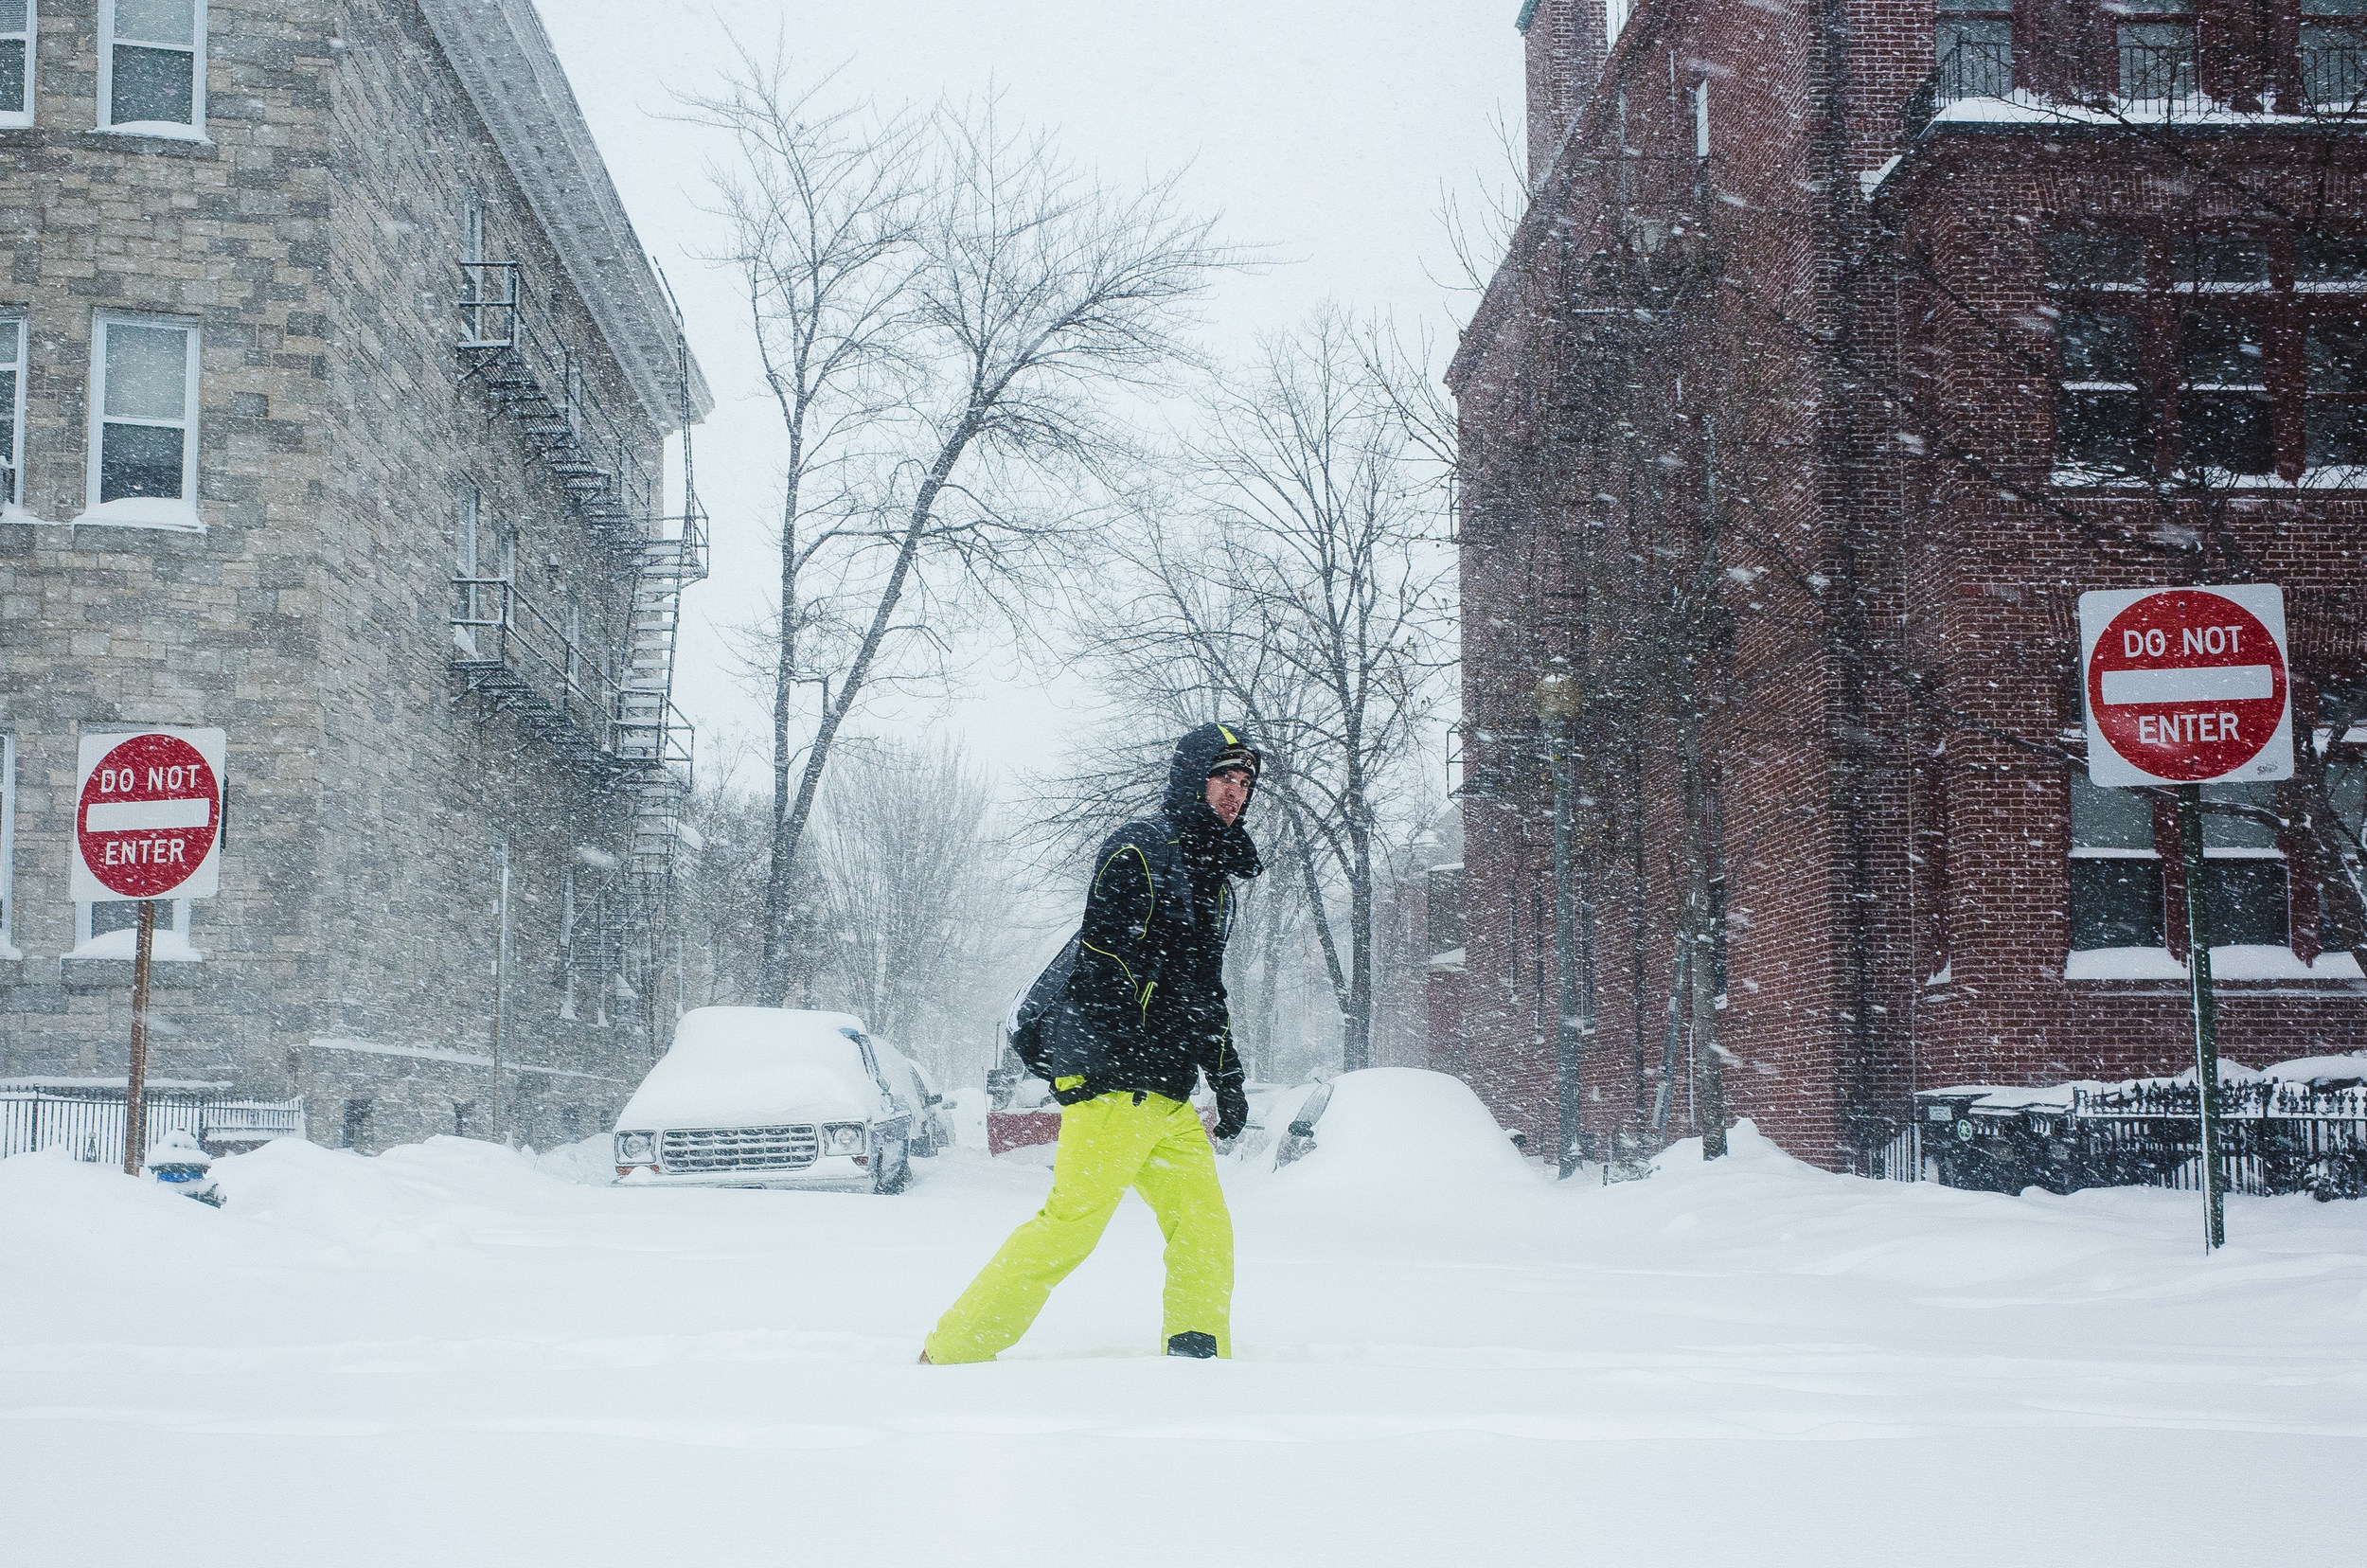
[701, 1149]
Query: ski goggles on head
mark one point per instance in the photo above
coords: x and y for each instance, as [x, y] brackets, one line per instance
[1231, 757]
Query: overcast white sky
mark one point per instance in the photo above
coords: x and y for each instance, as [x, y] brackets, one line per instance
[1321, 128]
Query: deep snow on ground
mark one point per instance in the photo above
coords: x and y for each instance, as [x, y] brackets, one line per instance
[455, 1354]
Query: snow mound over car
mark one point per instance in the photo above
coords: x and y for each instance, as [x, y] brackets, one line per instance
[1388, 1126]
[739, 1065]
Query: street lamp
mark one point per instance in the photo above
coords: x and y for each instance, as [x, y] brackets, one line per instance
[1557, 700]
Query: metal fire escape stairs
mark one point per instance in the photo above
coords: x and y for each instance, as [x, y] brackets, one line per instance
[510, 656]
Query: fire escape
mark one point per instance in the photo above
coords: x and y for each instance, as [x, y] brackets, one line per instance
[613, 717]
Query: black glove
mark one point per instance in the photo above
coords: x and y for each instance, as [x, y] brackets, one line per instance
[1232, 1115]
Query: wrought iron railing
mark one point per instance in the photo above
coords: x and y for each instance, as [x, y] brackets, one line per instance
[512, 347]
[512, 652]
[1975, 68]
[2154, 70]
[2334, 76]
[2275, 1138]
[90, 1124]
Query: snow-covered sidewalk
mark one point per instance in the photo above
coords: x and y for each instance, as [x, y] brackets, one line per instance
[452, 1354]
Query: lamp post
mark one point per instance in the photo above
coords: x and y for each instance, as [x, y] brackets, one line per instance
[1557, 700]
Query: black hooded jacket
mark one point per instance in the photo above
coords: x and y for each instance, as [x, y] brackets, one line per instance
[1147, 1004]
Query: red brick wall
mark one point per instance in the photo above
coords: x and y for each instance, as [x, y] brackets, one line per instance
[1911, 637]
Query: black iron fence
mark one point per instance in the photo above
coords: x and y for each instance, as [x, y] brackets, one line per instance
[2275, 1138]
[91, 1124]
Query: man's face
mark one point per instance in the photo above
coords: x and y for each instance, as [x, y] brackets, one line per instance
[1228, 791]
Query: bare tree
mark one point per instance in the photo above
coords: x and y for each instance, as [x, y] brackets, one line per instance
[1301, 591]
[912, 905]
[966, 300]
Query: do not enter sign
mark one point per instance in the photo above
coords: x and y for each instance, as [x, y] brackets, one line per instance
[2186, 686]
[148, 816]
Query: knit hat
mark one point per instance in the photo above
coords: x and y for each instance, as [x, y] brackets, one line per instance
[1235, 757]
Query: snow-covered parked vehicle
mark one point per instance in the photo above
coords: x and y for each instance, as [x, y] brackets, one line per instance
[770, 1098]
[910, 1083]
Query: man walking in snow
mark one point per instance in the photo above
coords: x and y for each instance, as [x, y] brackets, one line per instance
[1142, 1016]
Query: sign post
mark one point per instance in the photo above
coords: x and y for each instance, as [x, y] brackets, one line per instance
[147, 825]
[2188, 686]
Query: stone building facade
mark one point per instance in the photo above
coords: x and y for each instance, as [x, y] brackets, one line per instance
[342, 390]
[1842, 347]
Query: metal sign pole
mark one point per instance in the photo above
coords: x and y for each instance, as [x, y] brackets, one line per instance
[135, 1082]
[2206, 1025]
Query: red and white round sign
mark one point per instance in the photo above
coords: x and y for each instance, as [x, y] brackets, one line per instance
[2186, 684]
[150, 811]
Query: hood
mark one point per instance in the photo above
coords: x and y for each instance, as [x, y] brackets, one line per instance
[1186, 803]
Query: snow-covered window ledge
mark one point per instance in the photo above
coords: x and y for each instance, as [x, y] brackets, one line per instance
[2124, 963]
[160, 130]
[140, 511]
[2236, 961]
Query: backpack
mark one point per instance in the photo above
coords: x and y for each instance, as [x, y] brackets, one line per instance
[1028, 1027]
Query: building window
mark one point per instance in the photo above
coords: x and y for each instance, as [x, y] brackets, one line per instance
[2155, 49]
[2220, 358]
[2334, 53]
[1701, 119]
[8, 847]
[143, 436]
[567, 943]
[152, 76]
[1973, 43]
[11, 408]
[2115, 870]
[17, 31]
[2346, 788]
[112, 930]
[2243, 870]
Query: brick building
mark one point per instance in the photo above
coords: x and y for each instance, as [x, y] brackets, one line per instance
[334, 394]
[1841, 349]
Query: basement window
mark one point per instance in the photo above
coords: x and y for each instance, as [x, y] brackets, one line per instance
[2116, 872]
[143, 436]
[17, 30]
[152, 75]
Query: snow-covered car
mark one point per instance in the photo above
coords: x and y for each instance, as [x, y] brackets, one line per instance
[1384, 1124]
[767, 1097]
[909, 1081]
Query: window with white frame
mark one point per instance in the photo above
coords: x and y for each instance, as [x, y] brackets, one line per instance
[8, 846]
[151, 67]
[17, 32]
[143, 435]
[112, 930]
[11, 408]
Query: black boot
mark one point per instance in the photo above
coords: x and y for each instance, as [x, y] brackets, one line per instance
[1198, 1345]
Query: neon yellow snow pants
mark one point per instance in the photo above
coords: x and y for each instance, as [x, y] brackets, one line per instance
[1107, 1144]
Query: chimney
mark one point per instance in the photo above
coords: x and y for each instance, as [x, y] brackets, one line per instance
[1565, 60]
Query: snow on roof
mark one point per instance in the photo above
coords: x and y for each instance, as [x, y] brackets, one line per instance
[505, 60]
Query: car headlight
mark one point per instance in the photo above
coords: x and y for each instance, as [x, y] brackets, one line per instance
[845, 1138]
[636, 1149]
